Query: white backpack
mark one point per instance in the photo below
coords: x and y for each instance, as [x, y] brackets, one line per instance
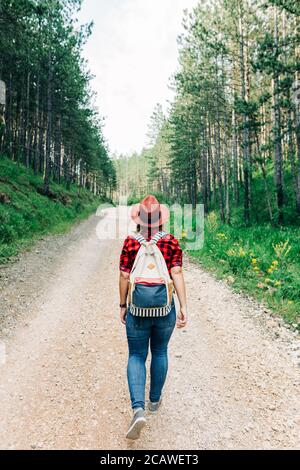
[150, 285]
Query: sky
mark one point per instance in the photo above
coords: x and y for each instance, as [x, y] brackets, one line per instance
[132, 53]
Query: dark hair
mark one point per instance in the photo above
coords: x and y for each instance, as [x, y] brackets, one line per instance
[138, 228]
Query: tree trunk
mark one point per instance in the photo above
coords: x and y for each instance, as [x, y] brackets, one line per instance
[219, 167]
[9, 117]
[57, 150]
[277, 132]
[26, 124]
[235, 160]
[36, 130]
[214, 166]
[297, 127]
[42, 126]
[49, 128]
[209, 166]
[268, 197]
[246, 139]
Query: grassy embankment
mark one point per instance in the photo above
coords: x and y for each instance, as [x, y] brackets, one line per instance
[26, 215]
[263, 259]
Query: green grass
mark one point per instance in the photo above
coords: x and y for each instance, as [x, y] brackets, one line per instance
[26, 215]
[261, 260]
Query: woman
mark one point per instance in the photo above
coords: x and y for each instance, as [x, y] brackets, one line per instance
[149, 216]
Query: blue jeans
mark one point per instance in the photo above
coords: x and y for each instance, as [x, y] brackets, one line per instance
[140, 332]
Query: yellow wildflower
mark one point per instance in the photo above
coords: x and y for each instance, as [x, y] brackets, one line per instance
[277, 283]
[237, 253]
[221, 236]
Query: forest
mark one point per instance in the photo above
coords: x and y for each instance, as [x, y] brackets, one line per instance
[236, 117]
[231, 141]
[55, 166]
[49, 122]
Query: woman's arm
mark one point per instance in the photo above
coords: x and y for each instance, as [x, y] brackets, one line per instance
[123, 289]
[179, 284]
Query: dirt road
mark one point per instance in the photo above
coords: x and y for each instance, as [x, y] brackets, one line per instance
[234, 376]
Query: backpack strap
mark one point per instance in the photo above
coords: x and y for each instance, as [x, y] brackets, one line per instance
[140, 239]
[158, 237]
[154, 240]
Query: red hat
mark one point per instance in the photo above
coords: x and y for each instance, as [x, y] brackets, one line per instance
[149, 212]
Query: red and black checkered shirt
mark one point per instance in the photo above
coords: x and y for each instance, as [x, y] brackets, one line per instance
[169, 246]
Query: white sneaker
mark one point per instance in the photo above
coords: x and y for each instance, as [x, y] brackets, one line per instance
[153, 407]
[137, 424]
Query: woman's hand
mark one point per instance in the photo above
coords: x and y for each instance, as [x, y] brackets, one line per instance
[123, 312]
[182, 318]
[123, 288]
[179, 284]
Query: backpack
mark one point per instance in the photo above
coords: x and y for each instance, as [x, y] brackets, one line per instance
[150, 285]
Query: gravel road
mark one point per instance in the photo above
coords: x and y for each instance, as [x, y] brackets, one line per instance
[234, 377]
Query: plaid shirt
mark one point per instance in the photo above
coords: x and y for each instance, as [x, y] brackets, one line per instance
[169, 246]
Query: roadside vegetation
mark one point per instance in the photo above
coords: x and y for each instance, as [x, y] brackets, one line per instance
[263, 261]
[26, 214]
